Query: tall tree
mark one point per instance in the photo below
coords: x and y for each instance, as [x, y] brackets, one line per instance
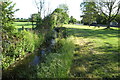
[100, 19]
[40, 4]
[64, 7]
[109, 8]
[89, 12]
[60, 17]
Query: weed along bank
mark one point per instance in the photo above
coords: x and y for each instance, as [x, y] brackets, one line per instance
[51, 41]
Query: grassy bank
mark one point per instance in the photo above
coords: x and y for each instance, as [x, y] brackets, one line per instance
[96, 52]
[55, 64]
[91, 52]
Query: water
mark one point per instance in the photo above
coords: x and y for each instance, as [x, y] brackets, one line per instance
[42, 52]
[36, 60]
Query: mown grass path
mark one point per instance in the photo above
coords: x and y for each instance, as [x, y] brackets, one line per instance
[96, 52]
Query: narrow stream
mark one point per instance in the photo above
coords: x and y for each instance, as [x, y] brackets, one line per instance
[36, 59]
[30, 60]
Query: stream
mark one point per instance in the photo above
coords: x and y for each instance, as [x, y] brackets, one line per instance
[31, 60]
[36, 59]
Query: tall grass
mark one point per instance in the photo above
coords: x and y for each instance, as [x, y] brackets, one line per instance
[57, 65]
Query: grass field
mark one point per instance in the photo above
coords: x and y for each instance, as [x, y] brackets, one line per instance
[88, 52]
[25, 24]
[96, 53]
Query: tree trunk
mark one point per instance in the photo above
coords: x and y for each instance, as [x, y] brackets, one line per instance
[108, 25]
[89, 24]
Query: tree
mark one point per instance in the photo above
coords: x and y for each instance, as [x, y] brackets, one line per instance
[64, 7]
[117, 19]
[109, 8]
[7, 15]
[60, 17]
[72, 20]
[100, 19]
[36, 18]
[89, 12]
[40, 6]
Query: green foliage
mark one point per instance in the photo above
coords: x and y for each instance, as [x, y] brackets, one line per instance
[56, 19]
[7, 14]
[72, 20]
[108, 9]
[60, 17]
[117, 19]
[48, 22]
[17, 44]
[36, 18]
[100, 19]
[52, 65]
[95, 56]
[89, 12]
[57, 65]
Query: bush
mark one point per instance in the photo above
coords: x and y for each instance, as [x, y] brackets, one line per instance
[17, 44]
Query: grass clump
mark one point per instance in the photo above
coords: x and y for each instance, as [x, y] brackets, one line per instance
[57, 65]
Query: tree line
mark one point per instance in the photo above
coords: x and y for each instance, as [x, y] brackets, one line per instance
[101, 12]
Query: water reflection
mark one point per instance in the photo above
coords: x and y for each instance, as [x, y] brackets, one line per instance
[35, 61]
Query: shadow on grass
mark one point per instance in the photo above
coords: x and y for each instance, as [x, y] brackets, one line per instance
[87, 64]
[96, 66]
[108, 48]
[90, 33]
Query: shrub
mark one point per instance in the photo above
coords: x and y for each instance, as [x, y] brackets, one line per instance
[17, 44]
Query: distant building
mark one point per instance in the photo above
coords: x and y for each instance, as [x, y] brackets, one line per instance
[113, 23]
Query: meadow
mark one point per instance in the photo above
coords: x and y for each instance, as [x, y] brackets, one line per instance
[87, 52]
[96, 52]
[20, 24]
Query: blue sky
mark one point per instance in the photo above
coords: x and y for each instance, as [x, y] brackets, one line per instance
[28, 7]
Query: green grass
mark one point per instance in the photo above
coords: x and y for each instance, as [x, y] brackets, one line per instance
[90, 52]
[96, 53]
[25, 24]
[55, 64]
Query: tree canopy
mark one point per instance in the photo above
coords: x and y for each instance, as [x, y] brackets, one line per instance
[72, 20]
[64, 7]
[106, 10]
[60, 16]
[7, 14]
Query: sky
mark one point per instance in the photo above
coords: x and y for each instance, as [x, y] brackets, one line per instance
[28, 7]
